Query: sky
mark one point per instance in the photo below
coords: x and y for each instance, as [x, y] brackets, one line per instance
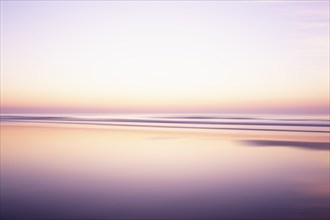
[157, 56]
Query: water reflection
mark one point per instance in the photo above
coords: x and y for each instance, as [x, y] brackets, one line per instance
[63, 171]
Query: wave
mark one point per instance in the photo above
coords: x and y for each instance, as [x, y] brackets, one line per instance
[186, 122]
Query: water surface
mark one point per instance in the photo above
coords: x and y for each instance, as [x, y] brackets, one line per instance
[164, 167]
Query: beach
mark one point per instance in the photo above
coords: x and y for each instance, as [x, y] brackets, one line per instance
[52, 170]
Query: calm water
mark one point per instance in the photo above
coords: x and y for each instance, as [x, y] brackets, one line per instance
[164, 167]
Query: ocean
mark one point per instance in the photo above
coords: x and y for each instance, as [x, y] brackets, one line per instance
[165, 166]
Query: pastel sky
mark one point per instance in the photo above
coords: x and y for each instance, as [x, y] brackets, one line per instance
[157, 56]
